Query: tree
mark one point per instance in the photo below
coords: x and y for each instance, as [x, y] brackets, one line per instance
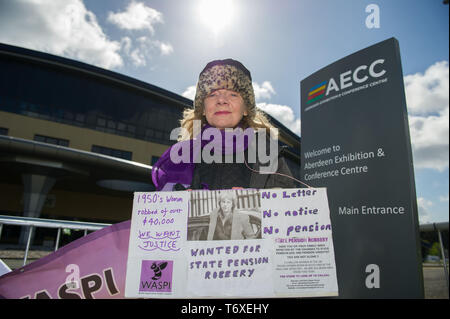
[435, 250]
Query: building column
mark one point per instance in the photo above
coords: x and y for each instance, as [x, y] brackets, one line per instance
[36, 188]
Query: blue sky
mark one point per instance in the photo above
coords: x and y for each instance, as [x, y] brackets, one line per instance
[168, 42]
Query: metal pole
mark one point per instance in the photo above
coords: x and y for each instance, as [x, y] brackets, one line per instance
[30, 231]
[443, 256]
[1, 227]
[57, 239]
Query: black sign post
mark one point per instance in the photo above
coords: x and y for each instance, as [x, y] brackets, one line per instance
[355, 142]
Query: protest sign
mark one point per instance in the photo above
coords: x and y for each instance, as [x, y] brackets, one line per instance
[273, 243]
[156, 264]
[298, 222]
[280, 245]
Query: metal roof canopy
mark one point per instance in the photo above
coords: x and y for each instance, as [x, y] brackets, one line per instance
[60, 161]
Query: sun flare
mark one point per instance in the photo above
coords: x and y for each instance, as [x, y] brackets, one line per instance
[217, 15]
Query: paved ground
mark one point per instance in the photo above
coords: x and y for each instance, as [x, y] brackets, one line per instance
[14, 258]
[434, 278]
[435, 283]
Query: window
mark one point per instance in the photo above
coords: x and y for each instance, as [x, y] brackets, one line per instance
[148, 133]
[111, 152]
[101, 122]
[79, 118]
[51, 140]
[68, 115]
[131, 129]
[154, 160]
[121, 126]
[111, 124]
[3, 131]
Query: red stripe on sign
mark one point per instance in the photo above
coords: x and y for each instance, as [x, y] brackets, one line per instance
[316, 94]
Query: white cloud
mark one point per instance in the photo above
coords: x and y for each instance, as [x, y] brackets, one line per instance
[428, 105]
[443, 198]
[126, 44]
[164, 48]
[282, 113]
[423, 206]
[137, 16]
[143, 49]
[263, 91]
[64, 28]
[430, 142]
[189, 92]
[138, 57]
[428, 92]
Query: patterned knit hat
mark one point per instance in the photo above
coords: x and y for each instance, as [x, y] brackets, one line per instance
[224, 74]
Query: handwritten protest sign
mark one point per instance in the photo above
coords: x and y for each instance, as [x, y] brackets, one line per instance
[156, 265]
[229, 269]
[298, 222]
[231, 243]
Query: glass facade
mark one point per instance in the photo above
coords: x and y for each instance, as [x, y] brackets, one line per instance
[61, 95]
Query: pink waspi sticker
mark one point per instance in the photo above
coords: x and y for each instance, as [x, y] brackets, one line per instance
[156, 276]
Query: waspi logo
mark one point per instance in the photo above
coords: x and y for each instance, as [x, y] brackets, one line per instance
[156, 276]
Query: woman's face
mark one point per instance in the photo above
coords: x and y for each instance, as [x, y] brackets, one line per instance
[227, 205]
[224, 109]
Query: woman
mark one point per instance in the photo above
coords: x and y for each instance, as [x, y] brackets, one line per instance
[224, 100]
[226, 222]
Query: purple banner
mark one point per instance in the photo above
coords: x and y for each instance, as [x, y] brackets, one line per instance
[92, 267]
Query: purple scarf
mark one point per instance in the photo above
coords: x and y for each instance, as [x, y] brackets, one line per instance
[166, 173]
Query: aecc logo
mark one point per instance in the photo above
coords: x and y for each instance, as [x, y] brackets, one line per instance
[346, 79]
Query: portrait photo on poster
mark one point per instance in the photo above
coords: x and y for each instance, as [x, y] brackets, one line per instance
[224, 215]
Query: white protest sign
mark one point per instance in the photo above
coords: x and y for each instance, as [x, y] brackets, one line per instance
[231, 243]
[298, 222]
[230, 268]
[156, 265]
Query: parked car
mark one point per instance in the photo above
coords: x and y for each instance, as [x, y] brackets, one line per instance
[433, 259]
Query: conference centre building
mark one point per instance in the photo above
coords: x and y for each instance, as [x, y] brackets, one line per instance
[76, 140]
